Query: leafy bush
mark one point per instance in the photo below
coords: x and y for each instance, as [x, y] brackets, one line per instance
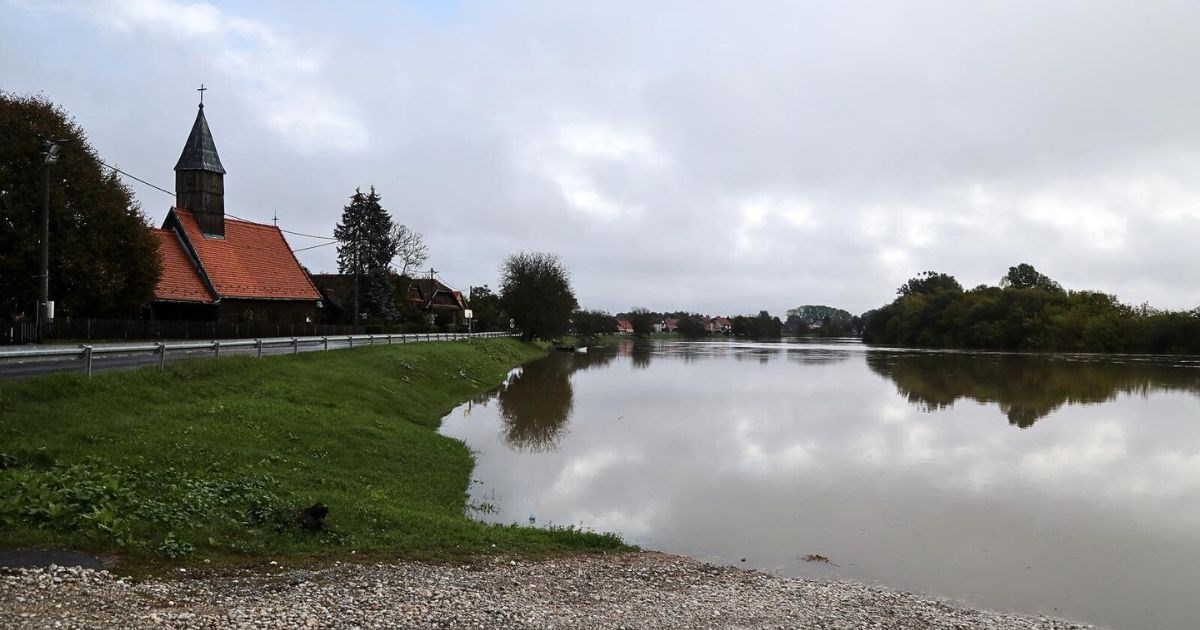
[131, 507]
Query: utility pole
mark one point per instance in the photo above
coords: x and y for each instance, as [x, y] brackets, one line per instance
[356, 275]
[45, 306]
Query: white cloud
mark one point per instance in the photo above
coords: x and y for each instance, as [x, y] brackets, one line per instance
[821, 156]
[285, 83]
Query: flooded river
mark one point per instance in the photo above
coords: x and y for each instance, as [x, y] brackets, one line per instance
[1064, 485]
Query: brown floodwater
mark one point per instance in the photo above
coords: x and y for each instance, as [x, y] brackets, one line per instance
[1056, 484]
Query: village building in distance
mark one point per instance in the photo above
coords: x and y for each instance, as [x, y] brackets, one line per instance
[216, 267]
[712, 325]
[441, 305]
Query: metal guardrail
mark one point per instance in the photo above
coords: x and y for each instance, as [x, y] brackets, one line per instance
[86, 352]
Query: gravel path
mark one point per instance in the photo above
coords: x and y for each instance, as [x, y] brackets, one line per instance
[639, 590]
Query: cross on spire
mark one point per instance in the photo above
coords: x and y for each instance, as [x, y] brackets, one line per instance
[201, 90]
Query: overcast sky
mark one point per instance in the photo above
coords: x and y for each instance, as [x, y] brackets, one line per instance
[723, 157]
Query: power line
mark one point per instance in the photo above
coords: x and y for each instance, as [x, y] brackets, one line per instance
[328, 238]
[164, 190]
[302, 249]
[136, 178]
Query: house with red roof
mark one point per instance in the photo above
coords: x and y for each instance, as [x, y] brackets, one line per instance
[216, 267]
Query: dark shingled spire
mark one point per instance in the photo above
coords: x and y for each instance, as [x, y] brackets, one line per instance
[200, 153]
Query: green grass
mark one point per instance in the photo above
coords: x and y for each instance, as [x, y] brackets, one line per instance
[209, 459]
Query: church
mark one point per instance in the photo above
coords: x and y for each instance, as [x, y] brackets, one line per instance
[216, 267]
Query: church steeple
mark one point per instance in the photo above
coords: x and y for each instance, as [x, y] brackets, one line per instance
[200, 178]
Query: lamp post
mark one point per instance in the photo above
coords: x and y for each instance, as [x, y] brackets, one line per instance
[45, 306]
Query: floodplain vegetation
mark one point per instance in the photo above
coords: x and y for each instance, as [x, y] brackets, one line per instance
[215, 460]
[1028, 311]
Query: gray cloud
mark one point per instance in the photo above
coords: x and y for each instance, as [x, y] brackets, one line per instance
[723, 157]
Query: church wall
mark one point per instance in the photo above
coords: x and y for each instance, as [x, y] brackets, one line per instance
[270, 311]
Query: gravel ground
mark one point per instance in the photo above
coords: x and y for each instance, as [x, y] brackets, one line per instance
[639, 590]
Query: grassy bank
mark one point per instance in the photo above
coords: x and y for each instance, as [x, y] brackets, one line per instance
[211, 459]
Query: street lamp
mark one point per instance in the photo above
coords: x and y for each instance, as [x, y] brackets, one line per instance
[45, 306]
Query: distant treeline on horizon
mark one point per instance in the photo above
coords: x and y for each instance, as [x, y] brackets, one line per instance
[1028, 311]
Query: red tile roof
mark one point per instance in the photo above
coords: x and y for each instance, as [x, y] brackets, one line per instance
[179, 281]
[253, 260]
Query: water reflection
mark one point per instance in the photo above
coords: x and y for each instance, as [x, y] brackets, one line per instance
[819, 356]
[1026, 388]
[801, 448]
[639, 353]
[536, 402]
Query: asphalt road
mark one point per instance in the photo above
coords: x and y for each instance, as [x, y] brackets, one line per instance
[12, 368]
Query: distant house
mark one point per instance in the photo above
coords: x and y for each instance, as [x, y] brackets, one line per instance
[337, 293]
[624, 327]
[718, 325]
[665, 325]
[219, 268]
[442, 304]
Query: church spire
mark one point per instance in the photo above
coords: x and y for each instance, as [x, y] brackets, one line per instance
[200, 152]
[200, 178]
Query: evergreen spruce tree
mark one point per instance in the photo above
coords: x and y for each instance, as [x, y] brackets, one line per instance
[366, 248]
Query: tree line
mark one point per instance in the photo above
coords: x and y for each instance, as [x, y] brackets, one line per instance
[1027, 311]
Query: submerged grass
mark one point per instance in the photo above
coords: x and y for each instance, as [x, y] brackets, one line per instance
[211, 459]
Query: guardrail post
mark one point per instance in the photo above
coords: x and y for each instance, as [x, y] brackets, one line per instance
[295, 345]
[389, 338]
[258, 347]
[370, 340]
[216, 349]
[350, 338]
[87, 360]
[162, 356]
[325, 340]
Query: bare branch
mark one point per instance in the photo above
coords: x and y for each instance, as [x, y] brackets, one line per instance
[409, 250]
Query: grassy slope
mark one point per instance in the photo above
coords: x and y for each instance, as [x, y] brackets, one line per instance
[192, 450]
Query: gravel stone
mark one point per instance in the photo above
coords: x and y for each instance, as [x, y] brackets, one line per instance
[635, 590]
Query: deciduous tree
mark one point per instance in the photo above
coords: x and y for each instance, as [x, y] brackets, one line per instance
[409, 249]
[488, 314]
[535, 290]
[103, 256]
[642, 321]
[691, 327]
[928, 283]
[1024, 276]
[592, 324]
